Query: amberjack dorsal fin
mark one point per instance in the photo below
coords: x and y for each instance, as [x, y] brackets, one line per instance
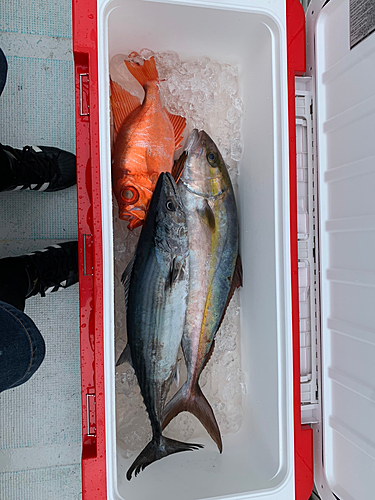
[178, 124]
[122, 103]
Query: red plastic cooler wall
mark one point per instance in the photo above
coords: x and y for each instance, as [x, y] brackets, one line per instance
[90, 249]
[303, 436]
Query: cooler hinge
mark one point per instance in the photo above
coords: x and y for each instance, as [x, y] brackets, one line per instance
[307, 258]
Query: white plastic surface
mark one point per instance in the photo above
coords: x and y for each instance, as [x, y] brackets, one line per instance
[306, 201]
[258, 461]
[346, 146]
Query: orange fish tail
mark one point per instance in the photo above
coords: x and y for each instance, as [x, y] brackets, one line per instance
[145, 73]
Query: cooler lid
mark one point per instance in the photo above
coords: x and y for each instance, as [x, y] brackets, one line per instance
[345, 108]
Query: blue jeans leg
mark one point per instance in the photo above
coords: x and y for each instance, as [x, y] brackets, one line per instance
[22, 347]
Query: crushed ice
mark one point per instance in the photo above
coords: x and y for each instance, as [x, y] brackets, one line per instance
[205, 92]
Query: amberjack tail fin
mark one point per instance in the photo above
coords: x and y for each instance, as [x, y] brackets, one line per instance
[146, 72]
[197, 404]
[155, 450]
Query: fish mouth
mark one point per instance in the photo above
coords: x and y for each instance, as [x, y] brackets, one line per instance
[135, 223]
[134, 219]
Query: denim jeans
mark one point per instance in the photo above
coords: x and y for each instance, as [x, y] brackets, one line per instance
[22, 347]
[3, 71]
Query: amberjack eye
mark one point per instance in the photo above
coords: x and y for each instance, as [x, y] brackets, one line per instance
[211, 157]
[129, 195]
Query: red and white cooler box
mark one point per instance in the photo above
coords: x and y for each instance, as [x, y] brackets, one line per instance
[307, 226]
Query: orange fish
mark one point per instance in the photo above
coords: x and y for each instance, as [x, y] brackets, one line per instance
[146, 137]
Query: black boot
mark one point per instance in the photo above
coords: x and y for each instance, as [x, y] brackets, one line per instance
[42, 271]
[39, 168]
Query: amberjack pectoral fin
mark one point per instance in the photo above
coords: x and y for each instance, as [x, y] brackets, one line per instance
[122, 103]
[207, 215]
[196, 404]
[125, 357]
[178, 124]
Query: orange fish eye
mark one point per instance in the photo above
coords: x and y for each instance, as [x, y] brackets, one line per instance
[129, 195]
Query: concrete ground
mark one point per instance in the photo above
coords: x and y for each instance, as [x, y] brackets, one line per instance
[40, 421]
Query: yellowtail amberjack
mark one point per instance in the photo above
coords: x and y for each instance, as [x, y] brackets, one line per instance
[214, 269]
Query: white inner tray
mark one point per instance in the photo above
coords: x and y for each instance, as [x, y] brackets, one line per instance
[258, 460]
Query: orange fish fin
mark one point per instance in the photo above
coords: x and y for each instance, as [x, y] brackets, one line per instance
[178, 124]
[123, 103]
[178, 166]
[146, 72]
